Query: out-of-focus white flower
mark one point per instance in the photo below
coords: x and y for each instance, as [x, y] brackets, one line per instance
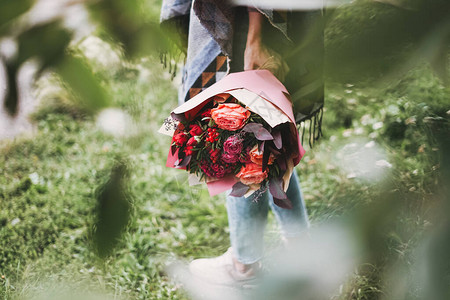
[365, 120]
[8, 48]
[383, 163]
[352, 101]
[359, 131]
[114, 121]
[393, 109]
[15, 221]
[100, 52]
[34, 177]
[370, 144]
[377, 125]
[347, 133]
[362, 159]
[373, 135]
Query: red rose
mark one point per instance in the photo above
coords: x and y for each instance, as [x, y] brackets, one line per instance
[180, 139]
[195, 130]
[192, 142]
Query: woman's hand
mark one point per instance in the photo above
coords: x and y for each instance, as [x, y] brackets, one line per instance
[257, 55]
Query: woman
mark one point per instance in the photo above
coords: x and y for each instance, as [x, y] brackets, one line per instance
[221, 39]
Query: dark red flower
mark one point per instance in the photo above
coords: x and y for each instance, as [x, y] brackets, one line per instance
[180, 139]
[189, 150]
[180, 127]
[219, 170]
[206, 113]
[214, 155]
[192, 142]
[195, 130]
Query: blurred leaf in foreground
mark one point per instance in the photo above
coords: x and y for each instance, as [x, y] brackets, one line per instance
[124, 21]
[113, 209]
[11, 9]
[83, 83]
[46, 43]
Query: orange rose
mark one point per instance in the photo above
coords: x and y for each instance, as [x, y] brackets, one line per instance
[230, 116]
[251, 174]
[257, 157]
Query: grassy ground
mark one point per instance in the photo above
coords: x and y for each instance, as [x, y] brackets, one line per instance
[49, 183]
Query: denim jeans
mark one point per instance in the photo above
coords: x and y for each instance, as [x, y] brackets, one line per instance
[247, 221]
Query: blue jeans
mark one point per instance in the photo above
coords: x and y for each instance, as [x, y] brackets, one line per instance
[247, 221]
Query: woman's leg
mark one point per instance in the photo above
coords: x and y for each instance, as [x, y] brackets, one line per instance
[293, 222]
[240, 264]
[247, 220]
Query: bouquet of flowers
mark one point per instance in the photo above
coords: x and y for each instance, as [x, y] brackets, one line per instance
[230, 136]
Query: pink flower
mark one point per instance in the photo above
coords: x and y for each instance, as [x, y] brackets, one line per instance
[233, 145]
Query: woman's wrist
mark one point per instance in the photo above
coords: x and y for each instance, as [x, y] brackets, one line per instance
[255, 20]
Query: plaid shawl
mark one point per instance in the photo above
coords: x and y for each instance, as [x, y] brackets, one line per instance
[213, 34]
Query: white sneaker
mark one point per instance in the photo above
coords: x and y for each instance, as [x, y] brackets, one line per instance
[221, 271]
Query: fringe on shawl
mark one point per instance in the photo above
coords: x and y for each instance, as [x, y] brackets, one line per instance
[313, 130]
[170, 60]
